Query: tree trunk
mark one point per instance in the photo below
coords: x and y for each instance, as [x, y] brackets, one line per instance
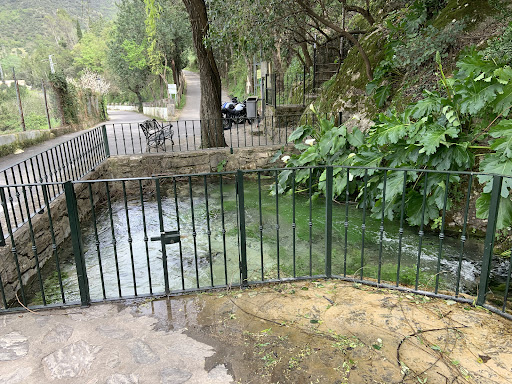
[307, 56]
[212, 133]
[139, 97]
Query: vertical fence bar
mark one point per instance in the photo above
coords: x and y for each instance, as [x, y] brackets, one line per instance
[162, 233]
[347, 195]
[363, 225]
[14, 250]
[294, 225]
[381, 229]
[421, 233]
[223, 230]
[277, 225]
[178, 223]
[54, 242]
[441, 233]
[401, 230]
[261, 227]
[97, 240]
[490, 236]
[130, 239]
[310, 223]
[76, 239]
[105, 140]
[146, 239]
[113, 234]
[328, 220]
[463, 236]
[194, 233]
[34, 247]
[241, 223]
[208, 229]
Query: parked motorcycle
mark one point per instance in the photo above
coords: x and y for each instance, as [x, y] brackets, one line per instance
[233, 112]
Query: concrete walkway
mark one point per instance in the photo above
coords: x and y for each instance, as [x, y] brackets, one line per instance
[103, 344]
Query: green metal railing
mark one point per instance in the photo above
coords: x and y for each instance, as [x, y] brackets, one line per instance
[173, 234]
[70, 160]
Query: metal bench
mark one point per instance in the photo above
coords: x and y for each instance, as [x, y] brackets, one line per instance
[156, 134]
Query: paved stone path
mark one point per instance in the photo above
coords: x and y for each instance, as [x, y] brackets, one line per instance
[107, 344]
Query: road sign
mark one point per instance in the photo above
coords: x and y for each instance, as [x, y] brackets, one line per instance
[172, 89]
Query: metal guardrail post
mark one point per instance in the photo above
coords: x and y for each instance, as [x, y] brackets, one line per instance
[490, 235]
[328, 220]
[76, 239]
[105, 140]
[241, 223]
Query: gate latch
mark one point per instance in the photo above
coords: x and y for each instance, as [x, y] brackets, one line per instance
[168, 237]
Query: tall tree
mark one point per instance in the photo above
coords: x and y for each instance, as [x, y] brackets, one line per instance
[212, 134]
[127, 53]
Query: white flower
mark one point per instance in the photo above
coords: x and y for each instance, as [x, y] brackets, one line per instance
[350, 177]
[351, 155]
[310, 142]
[379, 340]
[285, 159]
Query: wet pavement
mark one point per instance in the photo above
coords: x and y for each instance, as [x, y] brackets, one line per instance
[324, 331]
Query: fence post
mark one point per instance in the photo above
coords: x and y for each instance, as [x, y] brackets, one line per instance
[328, 220]
[241, 229]
[275, 90]
[46, 106]
[340, 118]
[18, 97]
[304, 87]
[105, 140]
[490, 235]
[76, 239]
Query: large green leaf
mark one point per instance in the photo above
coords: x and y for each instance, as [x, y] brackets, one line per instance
[503, 101]
[474, 64]
[496, 165]
[382, 94]
[476, 97]
[434, 137]
[415, 209]
[503, 134]
[504, 219]
[426, 106]
[356, 137]
[390, 133]
[299, 133]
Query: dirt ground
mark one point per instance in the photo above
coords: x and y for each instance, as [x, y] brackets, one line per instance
[339, 332]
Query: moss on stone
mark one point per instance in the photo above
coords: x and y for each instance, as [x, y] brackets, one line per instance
[473, 11]
[347, 91]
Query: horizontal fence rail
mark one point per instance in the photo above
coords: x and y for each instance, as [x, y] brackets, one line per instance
[187, 135]
[70, 160]
[173, 234]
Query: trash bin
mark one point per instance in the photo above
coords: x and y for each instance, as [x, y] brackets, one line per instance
[252, 107]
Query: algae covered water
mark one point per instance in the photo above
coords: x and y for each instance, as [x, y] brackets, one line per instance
[121, 263]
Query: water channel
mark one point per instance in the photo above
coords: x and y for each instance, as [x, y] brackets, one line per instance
[136, 266]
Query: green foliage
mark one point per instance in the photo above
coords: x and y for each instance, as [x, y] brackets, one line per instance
[411, 45]
[500, 48]
[66, 97]
[91, 53]
[328, 145]
[444, 131]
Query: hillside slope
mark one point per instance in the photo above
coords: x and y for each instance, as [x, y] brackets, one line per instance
[23, 22]
[347, 91]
